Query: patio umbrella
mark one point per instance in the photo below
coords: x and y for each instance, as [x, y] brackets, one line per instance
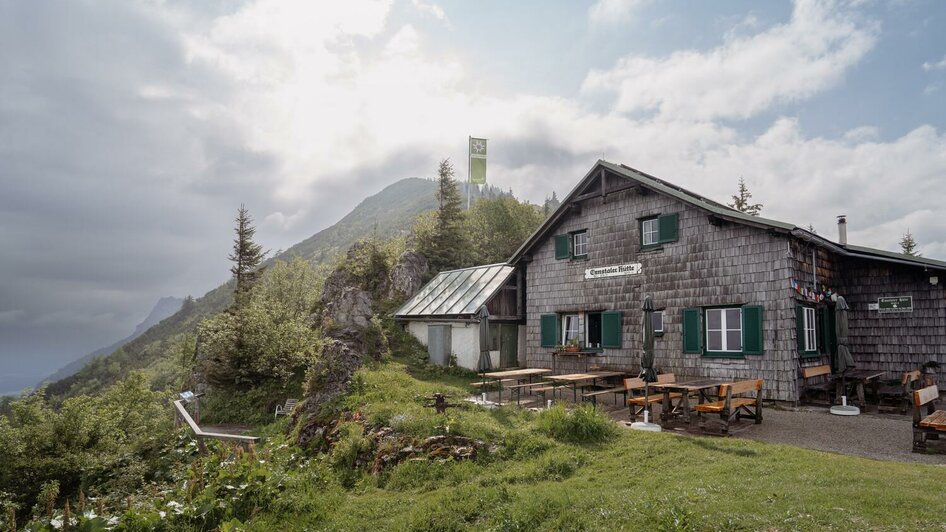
[647, 363]
[485, 363]
[845, 360]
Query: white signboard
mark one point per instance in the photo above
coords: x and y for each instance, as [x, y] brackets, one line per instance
[633, 268]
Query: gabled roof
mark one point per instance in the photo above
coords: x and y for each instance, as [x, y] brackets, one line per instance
[457, 292]
[719, 210]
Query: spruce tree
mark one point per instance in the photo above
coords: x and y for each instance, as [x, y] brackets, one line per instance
[740, 201]
[447, 244]
[246, 256]
[908, 245]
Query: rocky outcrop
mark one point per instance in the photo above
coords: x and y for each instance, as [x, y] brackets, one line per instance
[407, 276]
[327, 381]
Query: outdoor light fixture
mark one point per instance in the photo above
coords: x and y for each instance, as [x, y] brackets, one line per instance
[934, 280]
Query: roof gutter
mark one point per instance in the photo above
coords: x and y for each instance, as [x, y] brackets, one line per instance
[840, 250]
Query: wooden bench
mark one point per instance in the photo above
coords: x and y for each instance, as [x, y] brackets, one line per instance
[543, 390]
[285, 410]
[636, 405]
[901, 395]
[826, 386]
[729, 407]
[500, 382]
[933, 424]
[520, 387]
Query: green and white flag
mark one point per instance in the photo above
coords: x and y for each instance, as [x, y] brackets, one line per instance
[477, 161]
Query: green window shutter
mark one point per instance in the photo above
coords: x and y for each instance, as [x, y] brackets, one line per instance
[691, 331]
[549, 330]
[752, 329]
[562, 246]
[800, 327]
[611, 329]
[667, 227]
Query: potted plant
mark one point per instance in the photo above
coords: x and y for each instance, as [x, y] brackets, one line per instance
[572, 346]
[930, 369]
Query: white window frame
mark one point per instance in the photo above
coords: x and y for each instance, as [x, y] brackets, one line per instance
[724, 329]
[583, 244]
[565, 329]
[661, 329]
[811, 336]
[650, 228]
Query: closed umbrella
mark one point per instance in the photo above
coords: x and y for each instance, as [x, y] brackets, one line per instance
[647, 363]
[485, 363]
[845, 361]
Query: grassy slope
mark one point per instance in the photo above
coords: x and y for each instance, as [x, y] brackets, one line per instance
[637, 481]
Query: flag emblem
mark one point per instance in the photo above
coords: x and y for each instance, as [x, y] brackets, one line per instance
[477, 161]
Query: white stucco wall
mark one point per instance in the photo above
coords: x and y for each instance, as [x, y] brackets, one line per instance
[464, 341]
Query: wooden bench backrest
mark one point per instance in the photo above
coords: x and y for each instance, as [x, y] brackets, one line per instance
[815, 371]
[737, 388]
[925, 395]
[633, 384]
[666, 378]
[910, 376]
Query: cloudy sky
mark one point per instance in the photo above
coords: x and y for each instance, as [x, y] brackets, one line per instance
[130, 131]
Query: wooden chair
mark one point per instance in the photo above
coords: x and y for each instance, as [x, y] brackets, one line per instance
[901, 394]
[636, 405]
[285, 410]
[729, 407]
[826, 386]
[933, 424]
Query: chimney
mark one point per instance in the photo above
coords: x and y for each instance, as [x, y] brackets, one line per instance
[842, 229]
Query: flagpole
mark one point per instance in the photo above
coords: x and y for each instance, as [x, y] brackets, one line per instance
[469, 171]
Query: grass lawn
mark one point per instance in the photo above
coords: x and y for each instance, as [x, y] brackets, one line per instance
[631, 480]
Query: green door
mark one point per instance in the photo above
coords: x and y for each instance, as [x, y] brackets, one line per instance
[830, 336]
[508, 345]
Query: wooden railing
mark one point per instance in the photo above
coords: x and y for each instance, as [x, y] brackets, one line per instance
[181, 414]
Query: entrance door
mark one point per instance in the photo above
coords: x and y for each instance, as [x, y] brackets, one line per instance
[439, 344]
[829, 337]
[508, 345]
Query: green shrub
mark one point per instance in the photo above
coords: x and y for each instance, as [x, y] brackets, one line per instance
[582, 424]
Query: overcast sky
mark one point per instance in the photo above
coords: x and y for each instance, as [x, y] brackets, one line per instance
[130, 131]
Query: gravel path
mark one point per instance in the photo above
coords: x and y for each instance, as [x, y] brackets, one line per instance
[871, 435]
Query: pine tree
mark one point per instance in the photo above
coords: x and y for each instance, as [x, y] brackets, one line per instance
[740, 202]
[908, 245]
[550, 205]
[246, 256]
[445, 246]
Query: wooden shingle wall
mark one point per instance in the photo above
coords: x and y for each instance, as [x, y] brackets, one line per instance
[709, 265]
[894, 343]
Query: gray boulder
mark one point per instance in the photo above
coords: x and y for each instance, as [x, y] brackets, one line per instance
[407, 276]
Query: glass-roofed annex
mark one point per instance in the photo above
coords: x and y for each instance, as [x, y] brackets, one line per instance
[445, 315]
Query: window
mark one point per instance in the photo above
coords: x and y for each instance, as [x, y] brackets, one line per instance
[569, 328]
[658, 319]
[724, 330]
[650, 232]
[572, 245]
[580, 244]
[593, 330]
[810, 343]
[807, 330]
[603, 330]
[656, 230]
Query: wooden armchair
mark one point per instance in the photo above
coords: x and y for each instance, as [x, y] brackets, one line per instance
[731, 405]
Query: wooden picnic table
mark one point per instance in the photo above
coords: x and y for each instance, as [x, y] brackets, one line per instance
[700, 386]
[518, 374]
[574, 378]
[859, 377]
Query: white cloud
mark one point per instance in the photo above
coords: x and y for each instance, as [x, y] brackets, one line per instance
[939, 65]
[430, 8]
[745, 75]
[614, 12]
